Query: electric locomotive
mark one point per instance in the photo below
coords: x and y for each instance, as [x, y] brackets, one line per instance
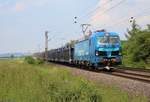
[101, 50]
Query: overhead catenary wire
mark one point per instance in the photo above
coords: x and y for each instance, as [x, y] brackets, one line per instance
[137, 16]
[94, 10]
[109, 9]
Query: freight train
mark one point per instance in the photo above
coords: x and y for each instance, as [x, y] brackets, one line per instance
[101, 49]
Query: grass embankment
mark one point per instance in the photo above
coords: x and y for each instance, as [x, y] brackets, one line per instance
[21, 82]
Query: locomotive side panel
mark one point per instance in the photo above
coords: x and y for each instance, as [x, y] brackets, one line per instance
[81, 52]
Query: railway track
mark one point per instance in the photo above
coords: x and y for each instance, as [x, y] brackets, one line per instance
[129, 73]
[132, 74]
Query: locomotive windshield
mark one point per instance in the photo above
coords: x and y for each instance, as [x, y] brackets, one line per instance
[109, 39]
[113, 39]
[102, 40]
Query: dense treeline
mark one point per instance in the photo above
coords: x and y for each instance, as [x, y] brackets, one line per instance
[137, 48]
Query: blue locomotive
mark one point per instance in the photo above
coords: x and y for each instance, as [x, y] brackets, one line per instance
[99, 50]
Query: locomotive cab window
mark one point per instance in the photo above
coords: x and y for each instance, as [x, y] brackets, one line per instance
[108, 39]
[102, 40]
[113, 39]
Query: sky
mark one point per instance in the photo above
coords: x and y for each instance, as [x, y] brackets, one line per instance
[23, 22]
[115, 15]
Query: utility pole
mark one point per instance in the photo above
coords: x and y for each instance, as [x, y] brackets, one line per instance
[84, 28]
[39, 48]
[46, 46]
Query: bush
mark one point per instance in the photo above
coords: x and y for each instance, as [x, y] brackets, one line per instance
[31, 60]
[39, 61]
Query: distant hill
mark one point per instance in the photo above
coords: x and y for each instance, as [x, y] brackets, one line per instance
[7, 55]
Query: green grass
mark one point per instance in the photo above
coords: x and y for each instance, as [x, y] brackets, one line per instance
[21, 82]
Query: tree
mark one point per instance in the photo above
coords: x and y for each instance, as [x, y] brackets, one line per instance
[138, 45]
[71, 43]
[12, 56]
[148, 28]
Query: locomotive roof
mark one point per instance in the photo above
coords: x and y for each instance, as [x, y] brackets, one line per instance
[103, 34]
[100, 33]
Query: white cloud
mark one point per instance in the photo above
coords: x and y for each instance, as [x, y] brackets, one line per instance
[21, 5]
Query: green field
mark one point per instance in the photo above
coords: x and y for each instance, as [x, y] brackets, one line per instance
[22, 82]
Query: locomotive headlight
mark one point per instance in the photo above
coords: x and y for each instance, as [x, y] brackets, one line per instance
[97, 53]
[120, 53]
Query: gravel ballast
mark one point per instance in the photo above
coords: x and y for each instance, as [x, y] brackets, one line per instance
[133, 87]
